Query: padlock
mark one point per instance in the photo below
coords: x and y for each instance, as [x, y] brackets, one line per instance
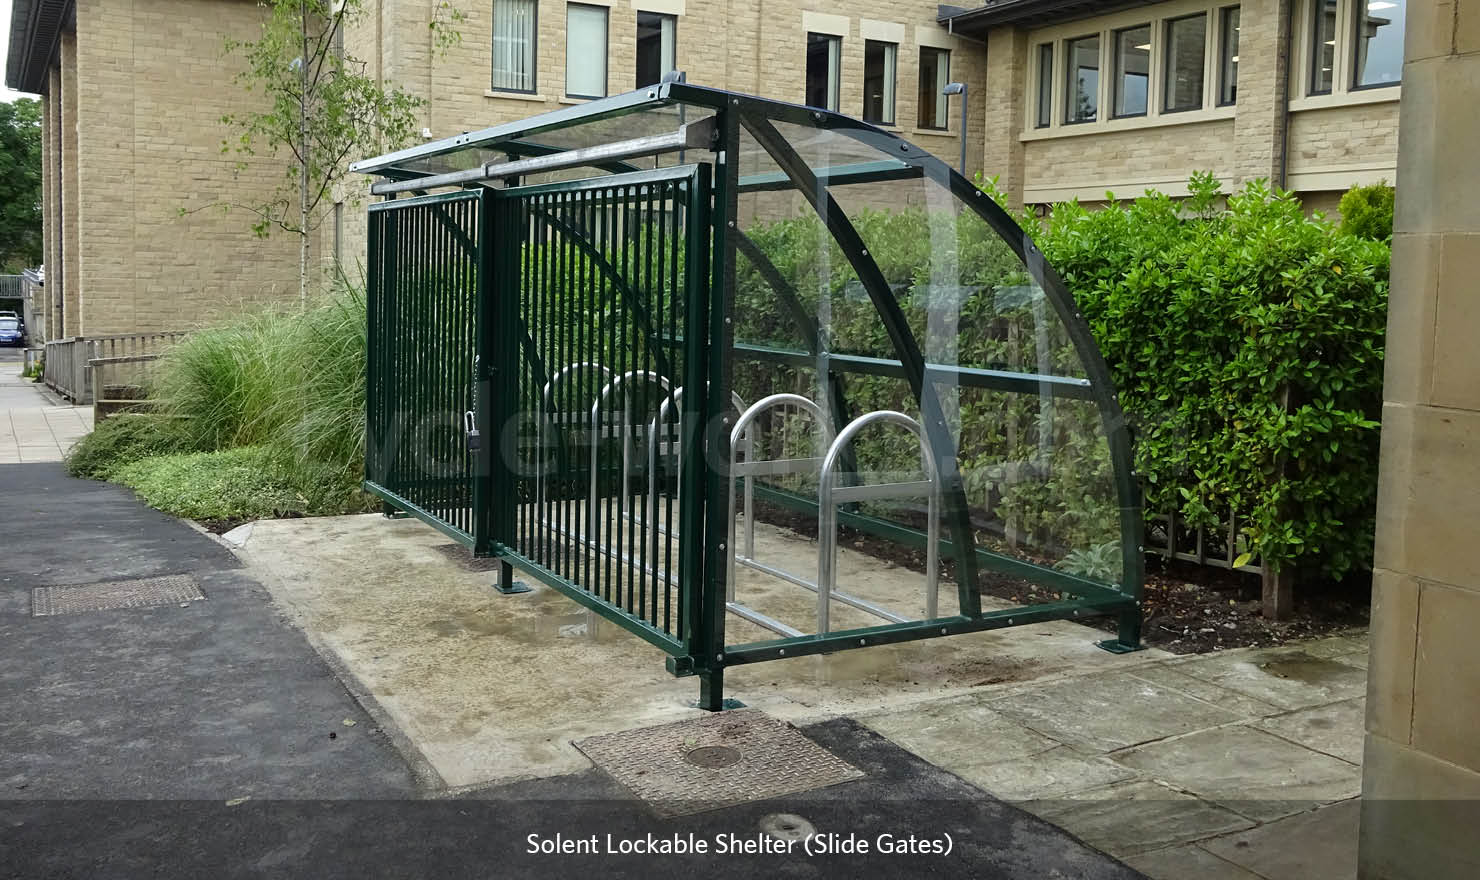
[470, 427]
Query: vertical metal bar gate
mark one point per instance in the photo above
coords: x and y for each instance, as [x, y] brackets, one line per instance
[522, 344]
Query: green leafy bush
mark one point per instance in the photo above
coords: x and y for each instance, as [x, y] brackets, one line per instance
[1247, 348]
[1246, 344]
[249, 482]
[1367, 212]
[122, 439]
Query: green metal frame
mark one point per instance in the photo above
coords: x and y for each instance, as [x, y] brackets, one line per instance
[704, 346]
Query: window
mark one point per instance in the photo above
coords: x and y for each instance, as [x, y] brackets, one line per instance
[1322, 46]
[514, 30]
[935, 74]
[824, 70]
[1082, 85]
[1379, 43]
[1228, 57]
[1045, 85]
[655, 41]
[1186, 47]
[1132, 70]
[878, 81]
[585, 51]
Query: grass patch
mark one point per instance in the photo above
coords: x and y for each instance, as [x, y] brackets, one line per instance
[243, 483]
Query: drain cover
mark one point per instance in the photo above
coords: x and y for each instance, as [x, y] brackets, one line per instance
[715, 761]
[141, 593]
[713, 757]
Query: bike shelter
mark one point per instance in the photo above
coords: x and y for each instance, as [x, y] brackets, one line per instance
[632, 347]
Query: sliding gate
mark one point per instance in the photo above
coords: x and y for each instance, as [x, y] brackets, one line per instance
[539, 387]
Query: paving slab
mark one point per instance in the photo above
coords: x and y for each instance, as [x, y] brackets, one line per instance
[491, 687]
[1137, 816]
[1249, 771]
[1053, 774]
[1187, 862]
[1239, 704]
[1337, 729]
[1288, 677]
[1319, 845]
[1101, 713]
[958, 733]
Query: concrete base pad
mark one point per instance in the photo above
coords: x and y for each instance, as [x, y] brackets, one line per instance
[489, 687]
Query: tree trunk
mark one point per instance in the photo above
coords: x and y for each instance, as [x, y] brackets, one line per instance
[303, 157]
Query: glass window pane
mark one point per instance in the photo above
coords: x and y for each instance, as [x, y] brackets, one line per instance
[935, 74]
[513, 45]
[1082, 87]
[585, 51]
[1045, 85]
[1322, 45]
[1132, 70]
[1228, 55]
[1186, 45]
[878, 81]
[655, 42]
[824, 66]
[1379, 49]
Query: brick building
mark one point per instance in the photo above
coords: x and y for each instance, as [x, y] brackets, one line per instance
[1303, 92]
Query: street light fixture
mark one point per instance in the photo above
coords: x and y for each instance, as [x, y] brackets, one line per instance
[959, 88]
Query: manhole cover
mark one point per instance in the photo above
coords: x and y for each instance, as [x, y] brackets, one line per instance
[715, 761]
[140, 593]
[713, 757]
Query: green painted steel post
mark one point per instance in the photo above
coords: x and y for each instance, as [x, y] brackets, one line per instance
[719, 273]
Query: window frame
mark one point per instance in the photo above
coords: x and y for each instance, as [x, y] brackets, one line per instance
[1354, 15]
[1168, 69]
[1070, 84]
[1043, 116]
[1313, 43]
[534, 42]
[1117, 76]
[835, 87]
[662, 17]
[891, 70]
[606, 17]
[944, 101]
[1219, 87]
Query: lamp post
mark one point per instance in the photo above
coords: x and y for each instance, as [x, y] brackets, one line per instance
[959, 88]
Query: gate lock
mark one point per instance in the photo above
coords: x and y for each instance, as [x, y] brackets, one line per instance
[470, 427]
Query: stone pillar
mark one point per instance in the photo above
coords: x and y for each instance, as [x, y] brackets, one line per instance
[1003, 95]
[1421, 780]
[71, 230]
[1259, 127]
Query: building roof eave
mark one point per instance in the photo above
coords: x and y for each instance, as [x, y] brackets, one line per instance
[36, 28]
[1025, 13]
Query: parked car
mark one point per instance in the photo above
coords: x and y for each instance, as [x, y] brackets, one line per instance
[11, 331]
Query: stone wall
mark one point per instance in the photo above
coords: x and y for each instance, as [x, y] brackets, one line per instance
[1421, 784]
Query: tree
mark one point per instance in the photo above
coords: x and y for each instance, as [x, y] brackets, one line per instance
[20, 185]
[320, 109]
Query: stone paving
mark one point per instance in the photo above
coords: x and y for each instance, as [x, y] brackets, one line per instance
[35, 425]
[1241, 764]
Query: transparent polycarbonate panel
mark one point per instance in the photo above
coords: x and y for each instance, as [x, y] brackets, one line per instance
[1020, 419]
[639, 121]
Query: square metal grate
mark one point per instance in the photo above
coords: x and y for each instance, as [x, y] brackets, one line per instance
[715, 761]
[140, 593]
